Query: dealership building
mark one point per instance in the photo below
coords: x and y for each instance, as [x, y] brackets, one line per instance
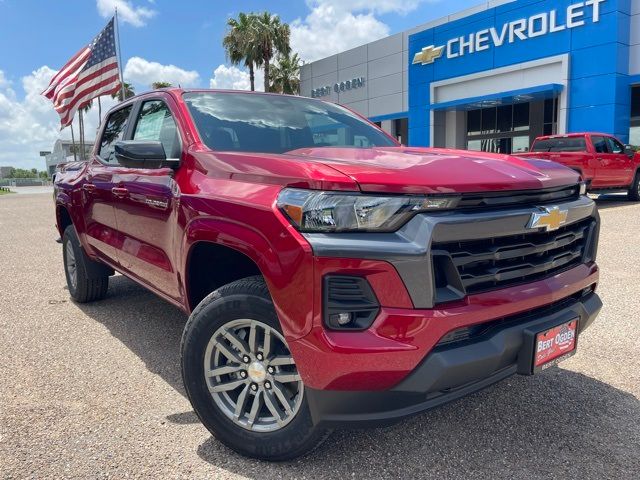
[495, 76]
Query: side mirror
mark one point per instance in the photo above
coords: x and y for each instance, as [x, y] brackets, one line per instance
[629, 151]
[143, 154]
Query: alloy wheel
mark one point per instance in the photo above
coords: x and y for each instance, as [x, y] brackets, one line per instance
[251, 375]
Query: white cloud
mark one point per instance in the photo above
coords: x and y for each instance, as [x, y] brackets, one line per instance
[3, 80]
[136, 16]
[30, 125]
[334, 26]
[374, 6]
[143, 72]
[328, 30]
[234, 78]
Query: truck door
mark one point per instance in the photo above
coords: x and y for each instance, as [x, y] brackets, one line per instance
[611, 168]
[147, 204]
[622, 171]
[97, 191]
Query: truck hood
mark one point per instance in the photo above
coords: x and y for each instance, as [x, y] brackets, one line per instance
[431, 170]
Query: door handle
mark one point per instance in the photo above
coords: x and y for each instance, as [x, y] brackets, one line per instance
[120, 192]
[89, 187]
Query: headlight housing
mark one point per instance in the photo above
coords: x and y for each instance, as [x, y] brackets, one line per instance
[320, 211]
[582, 188]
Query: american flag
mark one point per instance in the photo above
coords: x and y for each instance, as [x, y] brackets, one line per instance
[92, 72]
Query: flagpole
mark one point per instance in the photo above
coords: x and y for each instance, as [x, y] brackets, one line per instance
[73, 142]
[119, 57]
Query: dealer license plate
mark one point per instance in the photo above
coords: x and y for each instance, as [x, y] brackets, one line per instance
[555, 345]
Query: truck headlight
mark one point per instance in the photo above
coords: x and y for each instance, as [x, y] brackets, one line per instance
[319, 211]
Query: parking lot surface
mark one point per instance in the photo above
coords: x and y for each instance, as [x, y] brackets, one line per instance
[94, 391]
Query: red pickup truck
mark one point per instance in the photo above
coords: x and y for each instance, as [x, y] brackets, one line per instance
[603, 161]
[332, 276]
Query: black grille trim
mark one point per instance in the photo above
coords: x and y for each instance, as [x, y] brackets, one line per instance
[489, 264]
[523, 197]
[464, 335]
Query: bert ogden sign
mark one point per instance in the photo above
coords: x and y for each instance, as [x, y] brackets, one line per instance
[338, 87]
[518, 30]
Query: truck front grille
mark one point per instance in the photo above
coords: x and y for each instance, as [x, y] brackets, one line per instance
[479, 265]
[525, 197]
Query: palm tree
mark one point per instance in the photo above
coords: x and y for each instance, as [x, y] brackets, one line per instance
[285, 75]
[128, 92]
[272, 36]
[157, 85]
[240, 44]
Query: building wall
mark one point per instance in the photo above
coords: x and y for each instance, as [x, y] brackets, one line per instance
[383, 64]
[634, 49]
[5, 172]
[598, 63]
[597, 92]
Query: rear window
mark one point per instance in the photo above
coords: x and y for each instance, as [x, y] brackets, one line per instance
[568, 144]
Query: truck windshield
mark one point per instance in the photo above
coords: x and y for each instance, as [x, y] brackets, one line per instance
[567, 144]
[277, 124]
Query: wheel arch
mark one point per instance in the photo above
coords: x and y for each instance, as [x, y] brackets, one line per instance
[215, 236]
[285, 265]
[201, 279]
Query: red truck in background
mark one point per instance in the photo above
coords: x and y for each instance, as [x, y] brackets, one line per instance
[603, 161]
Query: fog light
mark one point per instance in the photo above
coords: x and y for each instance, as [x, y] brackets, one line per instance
[341, 318]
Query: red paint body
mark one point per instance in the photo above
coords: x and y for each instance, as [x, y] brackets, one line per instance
[601, 170]
[145, 223]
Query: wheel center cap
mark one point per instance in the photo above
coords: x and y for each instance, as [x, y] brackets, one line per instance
[257, 372]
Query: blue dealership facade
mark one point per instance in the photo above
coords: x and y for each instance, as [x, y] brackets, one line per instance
[496, 76]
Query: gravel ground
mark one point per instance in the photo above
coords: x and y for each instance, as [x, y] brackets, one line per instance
[94, 391]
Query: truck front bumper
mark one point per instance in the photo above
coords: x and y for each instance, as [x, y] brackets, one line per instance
[452, 369]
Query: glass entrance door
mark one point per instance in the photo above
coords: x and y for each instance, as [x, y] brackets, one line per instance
[508, 128]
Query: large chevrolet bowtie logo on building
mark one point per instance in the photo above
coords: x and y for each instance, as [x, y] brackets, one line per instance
[550, 218]
[428, 55]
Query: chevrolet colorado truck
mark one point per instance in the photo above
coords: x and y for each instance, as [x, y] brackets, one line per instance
[603, 161]
[332, 277]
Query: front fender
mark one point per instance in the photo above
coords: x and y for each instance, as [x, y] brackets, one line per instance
[284, 261]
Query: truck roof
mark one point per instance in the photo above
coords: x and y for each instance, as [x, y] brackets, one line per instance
[179, 90]
[572, 135]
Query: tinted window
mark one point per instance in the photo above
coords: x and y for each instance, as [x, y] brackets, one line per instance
[599, 144]
[614, 145]
[489, 120]
[277, 124]
[569, 144]
[473, 122]
[113, 132]
[505, 120]
[521, 116]
[635, 102]
[156, 123]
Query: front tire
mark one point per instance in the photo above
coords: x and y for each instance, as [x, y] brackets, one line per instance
[241, 378]
[82, 287]
[634, 191]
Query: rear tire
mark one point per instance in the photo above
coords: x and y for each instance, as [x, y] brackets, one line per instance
[82, 287]
[634, 191]
[227, 333]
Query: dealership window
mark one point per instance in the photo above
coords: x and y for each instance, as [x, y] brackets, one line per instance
[550, 126]
[500, 129]
[634, 131]
[401, 130]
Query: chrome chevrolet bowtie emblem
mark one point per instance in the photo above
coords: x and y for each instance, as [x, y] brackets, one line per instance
[428, 55]
[550, 218]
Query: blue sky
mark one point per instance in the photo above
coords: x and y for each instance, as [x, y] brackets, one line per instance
[177, 41]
